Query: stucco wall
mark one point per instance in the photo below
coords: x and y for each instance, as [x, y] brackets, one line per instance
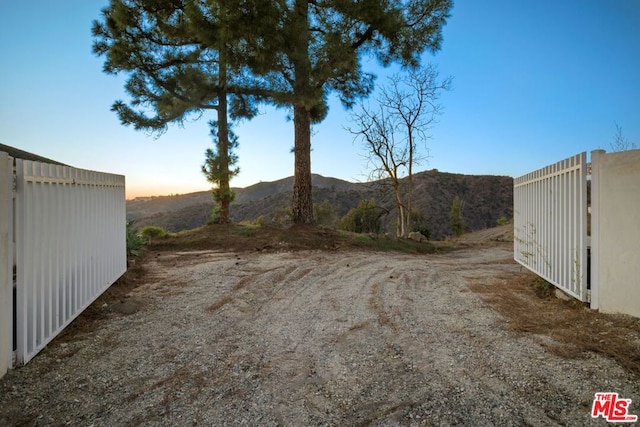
[616, 221]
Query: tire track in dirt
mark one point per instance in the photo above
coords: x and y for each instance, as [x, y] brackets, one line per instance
[312, 338]
[361, 339]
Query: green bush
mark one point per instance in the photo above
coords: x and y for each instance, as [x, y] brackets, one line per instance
[502, 220]
[134, 241]
[215, 216]
[152, 232]
[422, 230]
[419, 224]
[363, 219]
[324, 214]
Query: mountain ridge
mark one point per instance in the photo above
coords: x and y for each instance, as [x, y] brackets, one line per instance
[486, 198]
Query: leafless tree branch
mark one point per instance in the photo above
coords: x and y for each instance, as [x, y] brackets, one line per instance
[395, 134]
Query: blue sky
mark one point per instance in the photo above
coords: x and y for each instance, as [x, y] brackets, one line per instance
[535, 81]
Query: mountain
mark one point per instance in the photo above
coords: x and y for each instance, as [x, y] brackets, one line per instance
[142, 207]
[486, 198]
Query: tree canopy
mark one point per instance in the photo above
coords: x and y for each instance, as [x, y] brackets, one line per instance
[178, 54]
[182, 58]
[314, 48]
[187, 56]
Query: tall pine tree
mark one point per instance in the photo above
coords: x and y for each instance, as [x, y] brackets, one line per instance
[310, 48]
[182, 57]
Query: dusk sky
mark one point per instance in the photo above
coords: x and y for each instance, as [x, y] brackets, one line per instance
[535, 81]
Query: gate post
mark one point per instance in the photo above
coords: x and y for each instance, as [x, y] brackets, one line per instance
[595, 227]
[6, 263]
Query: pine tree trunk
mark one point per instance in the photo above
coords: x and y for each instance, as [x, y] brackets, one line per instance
[223, 152]
[302, 206]
[223, 134]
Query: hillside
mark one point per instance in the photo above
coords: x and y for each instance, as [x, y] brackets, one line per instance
[486, 198]
[143, 207]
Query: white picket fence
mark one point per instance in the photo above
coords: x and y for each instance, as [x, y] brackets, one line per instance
[550, 224]
[69, 246]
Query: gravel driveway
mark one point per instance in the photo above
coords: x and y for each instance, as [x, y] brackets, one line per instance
[311, 338]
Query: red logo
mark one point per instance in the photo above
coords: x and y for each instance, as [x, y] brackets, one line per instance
[612, 408]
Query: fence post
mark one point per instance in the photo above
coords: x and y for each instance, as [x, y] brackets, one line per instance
[595, 227]
[6, 262]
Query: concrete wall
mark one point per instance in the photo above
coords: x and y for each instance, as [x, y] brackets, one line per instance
[616, 232]
[6, 262]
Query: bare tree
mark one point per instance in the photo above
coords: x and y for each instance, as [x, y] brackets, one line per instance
[395, 132]
[620, 143]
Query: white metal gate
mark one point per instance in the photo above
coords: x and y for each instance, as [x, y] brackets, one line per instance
[550, 224]
[69, 244]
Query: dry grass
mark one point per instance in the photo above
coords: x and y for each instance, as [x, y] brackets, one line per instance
[529, 306]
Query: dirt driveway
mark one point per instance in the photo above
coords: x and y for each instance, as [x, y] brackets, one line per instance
[311, 338]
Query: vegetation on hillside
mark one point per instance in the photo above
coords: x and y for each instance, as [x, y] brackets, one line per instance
[365, 218]
[456, 216]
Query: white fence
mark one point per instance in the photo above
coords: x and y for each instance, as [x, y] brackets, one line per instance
[550, 224]
[550, 227]
[69, 246]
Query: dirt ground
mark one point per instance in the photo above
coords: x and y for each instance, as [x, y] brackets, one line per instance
[316, 337]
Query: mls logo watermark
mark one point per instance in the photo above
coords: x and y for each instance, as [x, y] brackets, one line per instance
[612, 408]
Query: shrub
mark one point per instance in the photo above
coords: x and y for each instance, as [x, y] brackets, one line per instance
[324, 214]
[283, 216]
[363, 219]
[502, 220]
[422, 230]
[215, 216]
[419, 224]
[152, 232]
[134, 241]
[458, 224]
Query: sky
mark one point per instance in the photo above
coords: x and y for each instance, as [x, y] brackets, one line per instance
[534, 82]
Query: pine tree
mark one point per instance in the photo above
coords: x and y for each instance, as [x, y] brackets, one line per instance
[186, 56]
[218, 171]
[182, 58]
[314, 48]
